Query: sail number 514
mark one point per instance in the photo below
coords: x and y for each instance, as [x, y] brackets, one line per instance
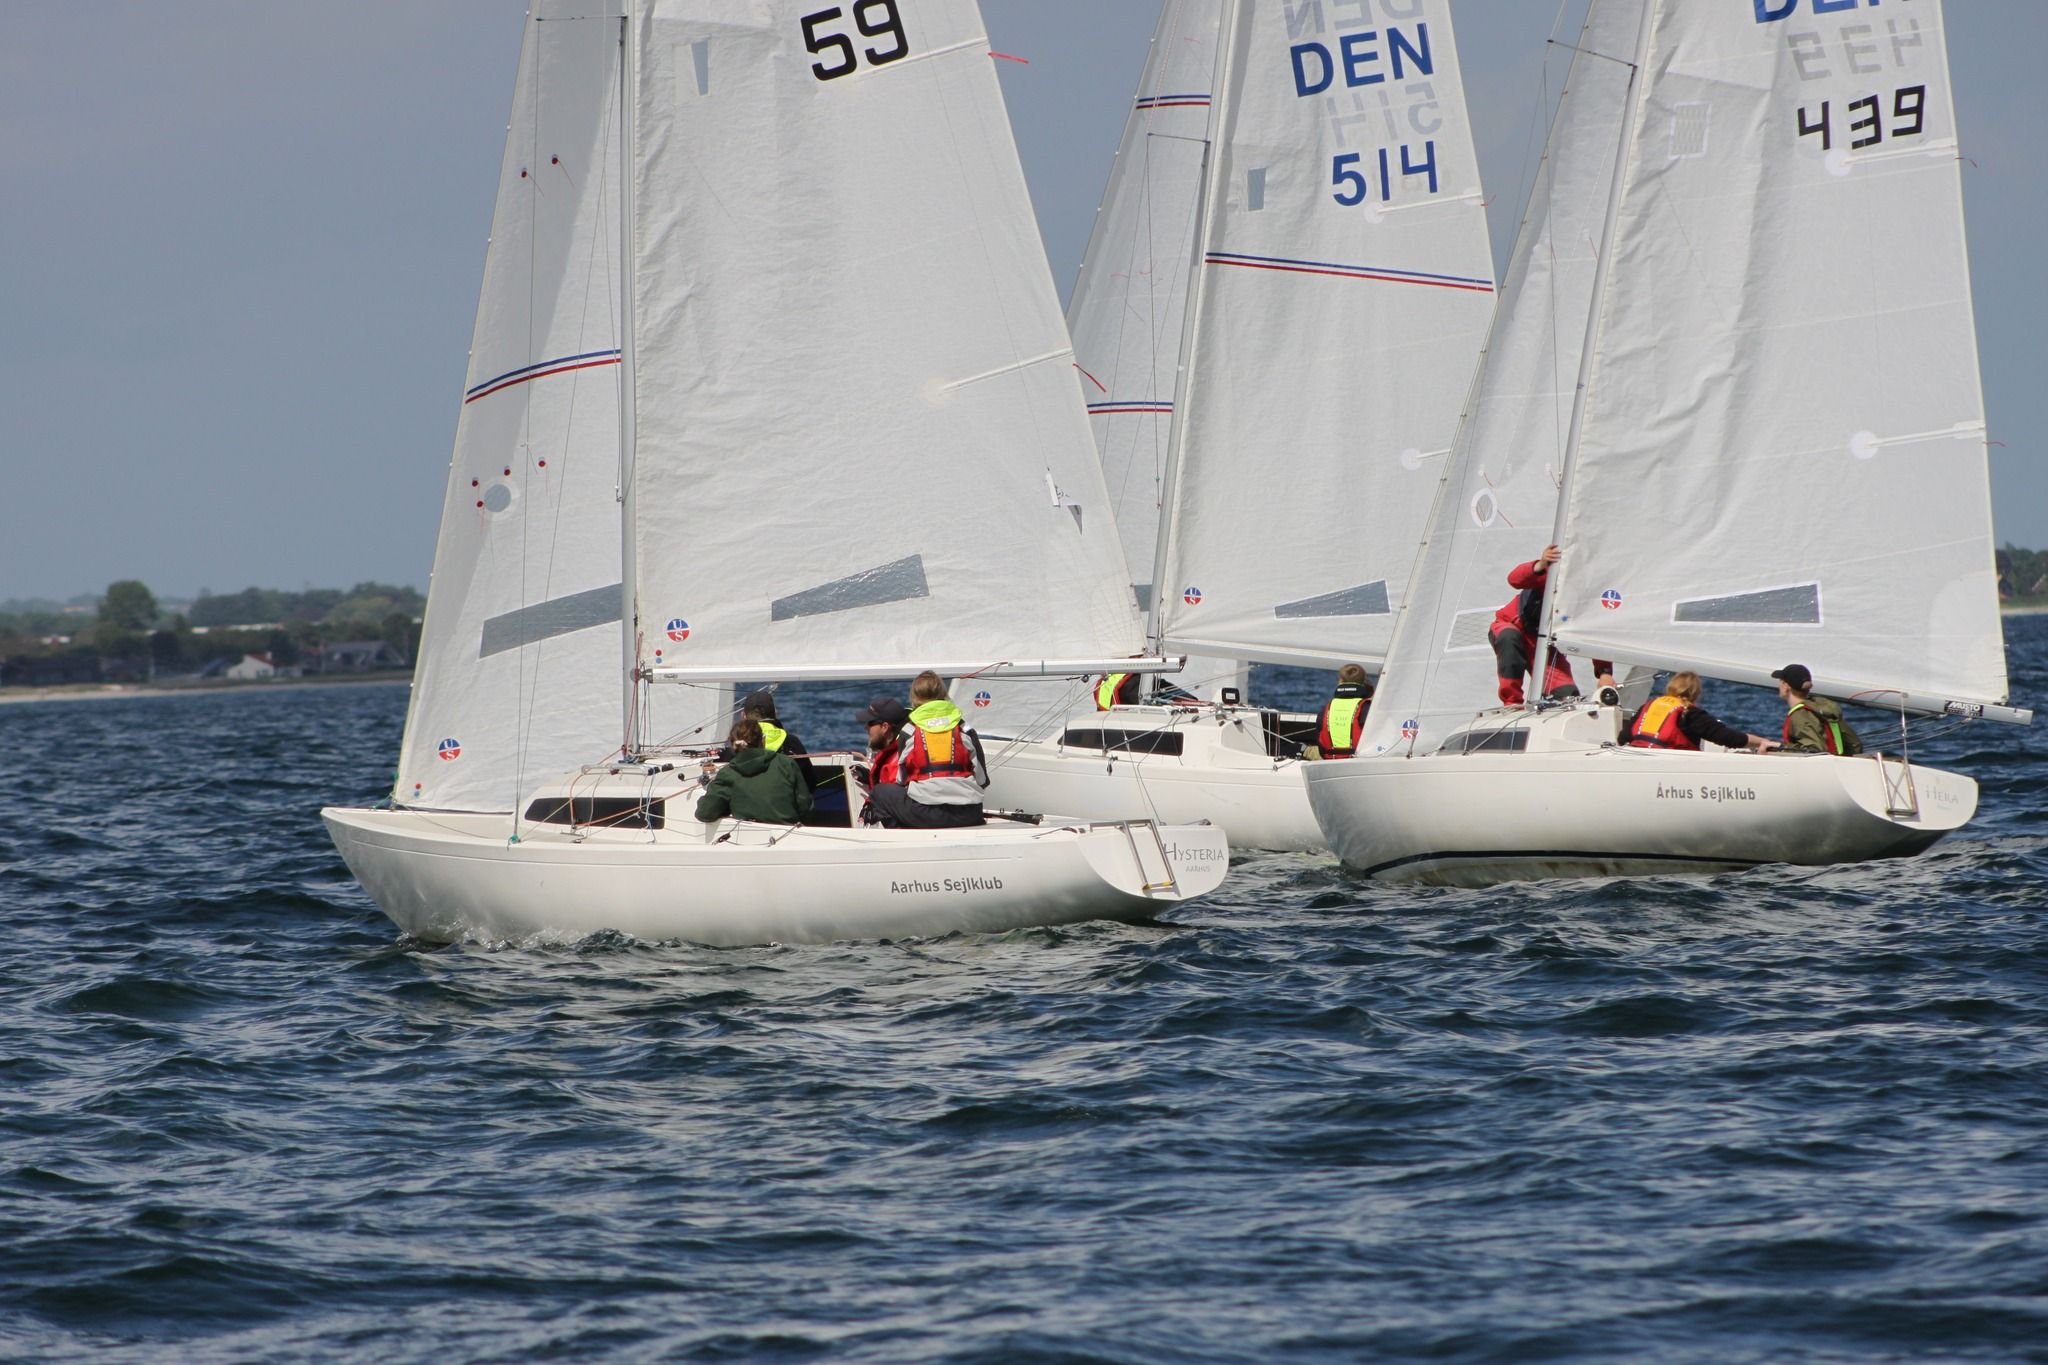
[872, 19]
[1355, 186]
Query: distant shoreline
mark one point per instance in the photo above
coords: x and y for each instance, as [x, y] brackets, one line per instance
[208, 687]
[215, 686]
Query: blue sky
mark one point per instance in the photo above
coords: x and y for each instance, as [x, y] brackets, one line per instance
[243, 241]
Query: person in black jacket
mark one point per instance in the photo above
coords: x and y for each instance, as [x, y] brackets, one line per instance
[1676, 720]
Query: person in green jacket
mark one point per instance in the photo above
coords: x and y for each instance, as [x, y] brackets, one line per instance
[759, 784]
[1814, 725]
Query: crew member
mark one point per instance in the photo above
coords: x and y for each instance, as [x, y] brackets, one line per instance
[941, 774]
[884, 718]
[1343, 716]
[1813, 725]
[1127, 689]
[1676, 720]
[1118, 689]
[1514, 631]
[759, 784]
[760, 708]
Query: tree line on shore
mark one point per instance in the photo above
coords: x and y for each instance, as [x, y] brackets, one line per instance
[2022, 573]
[129, 635]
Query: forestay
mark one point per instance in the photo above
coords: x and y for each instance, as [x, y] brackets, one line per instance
[1344, 293]
[1499, 495]
[857, 434]
[519, 660]
[1783, 450]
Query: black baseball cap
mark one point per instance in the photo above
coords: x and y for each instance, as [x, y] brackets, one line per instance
[1796, 675]
[759, 704]
[883, 711]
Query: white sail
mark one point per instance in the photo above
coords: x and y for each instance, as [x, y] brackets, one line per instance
[1499, 497]
[520, 657]
[1131, 296]
[1126, 316]
[858, 438]
[1783, 449]
[1344, 294]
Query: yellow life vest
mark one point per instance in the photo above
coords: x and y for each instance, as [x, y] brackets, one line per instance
[1106, 690]
[772, 735]
[1340, 725]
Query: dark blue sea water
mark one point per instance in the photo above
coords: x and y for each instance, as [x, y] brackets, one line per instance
[1787, 1115]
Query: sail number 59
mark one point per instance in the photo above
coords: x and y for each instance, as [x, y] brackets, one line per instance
[872, 19]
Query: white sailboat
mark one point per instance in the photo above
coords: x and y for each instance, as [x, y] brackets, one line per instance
[1339, 286]
[765, 333]
[1775, 453]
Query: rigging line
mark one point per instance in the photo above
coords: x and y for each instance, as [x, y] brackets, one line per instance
[521, 708]
[1557, 20]
[1573, 47]
[1559, 418]
[1039, 727]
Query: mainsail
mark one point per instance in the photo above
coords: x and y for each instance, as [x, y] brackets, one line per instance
[1499, 496]
[1782, 453]
[519, 661]
[1343, 294]
[857, 438]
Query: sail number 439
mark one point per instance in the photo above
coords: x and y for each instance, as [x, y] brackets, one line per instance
[871, 19]
[1863, 120]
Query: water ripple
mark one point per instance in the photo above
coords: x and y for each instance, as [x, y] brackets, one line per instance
[1792, 1114]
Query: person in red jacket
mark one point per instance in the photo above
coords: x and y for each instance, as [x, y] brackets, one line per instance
[1514, 631]
[884, 718]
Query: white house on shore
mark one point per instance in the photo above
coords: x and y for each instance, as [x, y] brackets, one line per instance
[255, 667]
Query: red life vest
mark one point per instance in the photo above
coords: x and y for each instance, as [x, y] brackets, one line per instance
[937, 753]
[1656, 726]
[886, 763]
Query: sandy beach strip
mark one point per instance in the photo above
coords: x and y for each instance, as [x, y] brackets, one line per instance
[212, 687]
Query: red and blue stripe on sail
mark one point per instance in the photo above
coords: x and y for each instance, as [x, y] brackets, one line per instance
[541, 370]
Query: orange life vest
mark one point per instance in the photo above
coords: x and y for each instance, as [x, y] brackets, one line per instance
[1656, 726]
[937, 753]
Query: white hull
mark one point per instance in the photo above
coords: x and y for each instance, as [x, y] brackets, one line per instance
[1569, 808]
[1222, 774]
[442, 876]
